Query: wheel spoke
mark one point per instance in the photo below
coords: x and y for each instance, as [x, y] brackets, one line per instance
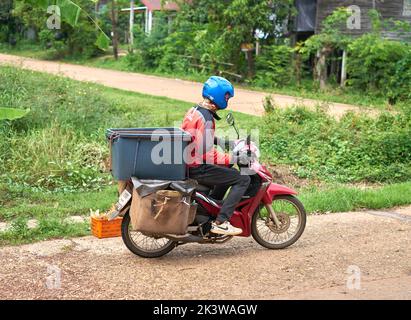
[146, 243]
[290, 220]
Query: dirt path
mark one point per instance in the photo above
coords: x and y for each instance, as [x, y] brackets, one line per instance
[250, 102]
[377, 245]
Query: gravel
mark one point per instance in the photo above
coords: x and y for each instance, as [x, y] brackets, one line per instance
[318, 266]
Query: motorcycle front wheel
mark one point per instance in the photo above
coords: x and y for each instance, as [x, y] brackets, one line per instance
[143, 245]
[291, 216]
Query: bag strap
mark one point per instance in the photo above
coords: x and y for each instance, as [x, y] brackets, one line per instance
[162, 207]
[166, 199]
[184, 200]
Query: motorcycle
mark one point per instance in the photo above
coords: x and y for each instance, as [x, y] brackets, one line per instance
[269, 212]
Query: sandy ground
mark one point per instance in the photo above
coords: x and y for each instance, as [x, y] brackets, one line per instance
[246, 101]
[356, 255]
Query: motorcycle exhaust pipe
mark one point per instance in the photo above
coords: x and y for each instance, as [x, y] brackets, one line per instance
[186, 238]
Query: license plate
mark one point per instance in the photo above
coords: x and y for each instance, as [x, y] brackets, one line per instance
[123, 200]
[121, 203]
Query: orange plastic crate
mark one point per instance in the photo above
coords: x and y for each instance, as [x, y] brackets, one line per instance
[102, 228]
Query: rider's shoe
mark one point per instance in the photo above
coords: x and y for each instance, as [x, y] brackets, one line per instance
[225, 228]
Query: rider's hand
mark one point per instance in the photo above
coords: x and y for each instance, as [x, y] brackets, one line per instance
[243, 159]
[230, 144]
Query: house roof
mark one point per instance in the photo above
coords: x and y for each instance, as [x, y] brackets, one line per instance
[155, 5]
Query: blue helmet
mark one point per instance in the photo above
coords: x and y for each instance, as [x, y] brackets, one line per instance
[218, 90]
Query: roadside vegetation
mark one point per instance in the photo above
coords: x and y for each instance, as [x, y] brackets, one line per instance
[53, 161]
[305, 89]
[208, 37]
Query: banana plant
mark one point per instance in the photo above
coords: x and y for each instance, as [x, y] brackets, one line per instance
[12, 113]
[70, 13]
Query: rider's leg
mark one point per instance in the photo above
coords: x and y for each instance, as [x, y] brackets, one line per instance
[234, 196]
[219, 192]
[212, 175]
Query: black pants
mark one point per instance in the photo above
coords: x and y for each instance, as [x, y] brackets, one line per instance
[221, 178]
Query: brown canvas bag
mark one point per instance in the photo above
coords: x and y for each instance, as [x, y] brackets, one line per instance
[161, 212]
[192, 213]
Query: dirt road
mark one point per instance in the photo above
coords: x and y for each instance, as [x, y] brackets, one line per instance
[369, 251]
[250, 102]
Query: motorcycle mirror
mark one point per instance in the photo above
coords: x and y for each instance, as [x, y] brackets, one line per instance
[231, 122]
[230, 119]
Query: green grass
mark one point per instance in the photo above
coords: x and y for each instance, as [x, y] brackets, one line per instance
[48, 228]
[307, 89]
[18, 201]
[26, 49]
[333, 94]
[19, 204]
[343, 198]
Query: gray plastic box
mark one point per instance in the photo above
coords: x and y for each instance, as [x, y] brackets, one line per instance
[148, 153]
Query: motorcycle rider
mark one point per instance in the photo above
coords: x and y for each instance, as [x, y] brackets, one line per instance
[208, 166]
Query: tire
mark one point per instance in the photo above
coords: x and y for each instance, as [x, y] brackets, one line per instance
[134, 248]
[299, 206]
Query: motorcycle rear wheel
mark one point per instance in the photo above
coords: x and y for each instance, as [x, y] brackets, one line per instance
[280, 234]
[142, 245]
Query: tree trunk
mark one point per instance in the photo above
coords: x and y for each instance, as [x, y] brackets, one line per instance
[321, 66]
[298, 68]
[114, 28]
[250, 63]
[334, 66]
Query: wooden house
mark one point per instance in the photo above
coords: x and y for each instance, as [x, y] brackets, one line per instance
[311, 14]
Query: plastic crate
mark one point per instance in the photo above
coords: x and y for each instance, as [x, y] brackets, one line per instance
[102, 228]
[132, 156]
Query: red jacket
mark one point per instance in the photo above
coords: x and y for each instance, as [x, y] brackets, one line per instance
[200, 123]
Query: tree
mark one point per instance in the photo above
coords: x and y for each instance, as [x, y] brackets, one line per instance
[220, 28]
[327, 41]
[6, 19]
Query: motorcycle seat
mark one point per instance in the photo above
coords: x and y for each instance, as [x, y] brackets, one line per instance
[203, 188]
[206, 189]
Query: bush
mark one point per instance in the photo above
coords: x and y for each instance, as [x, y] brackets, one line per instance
[149, 47]
[356, 148]
[57, 48]
[81, 39]
[399, 88]
[55, 146]
[57, 159]
[175, 46]
[135, 61]
[379, 65]
[274, 67]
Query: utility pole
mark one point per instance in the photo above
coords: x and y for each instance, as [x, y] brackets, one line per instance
[131, 31]
[344, 68]
[114, 28]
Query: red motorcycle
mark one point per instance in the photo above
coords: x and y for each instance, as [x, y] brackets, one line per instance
[269, 212]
